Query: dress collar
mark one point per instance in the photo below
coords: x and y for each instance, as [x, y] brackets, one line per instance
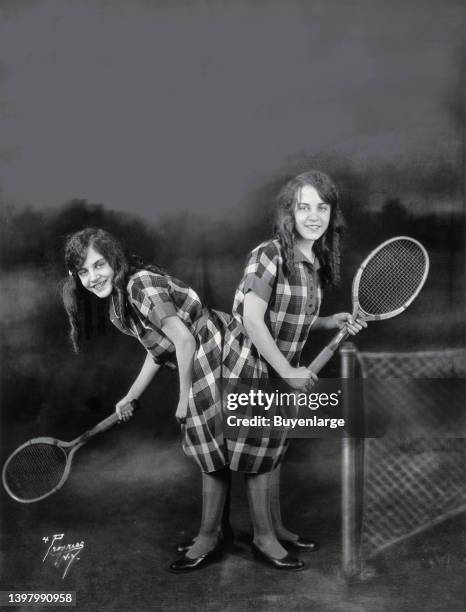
[300, 257]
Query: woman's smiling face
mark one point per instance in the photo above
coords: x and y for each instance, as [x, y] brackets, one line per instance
[311, 214]
[96, 274]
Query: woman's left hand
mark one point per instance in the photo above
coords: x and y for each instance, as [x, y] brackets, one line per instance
[181, 411]
[345, 319]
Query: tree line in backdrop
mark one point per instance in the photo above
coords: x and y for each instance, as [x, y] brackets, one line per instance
[36, 237]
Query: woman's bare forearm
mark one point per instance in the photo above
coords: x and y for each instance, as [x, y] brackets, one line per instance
[185, 347]
[262, 339]
[323, 324]
[185, 350]
[257, 330]
[144, 378]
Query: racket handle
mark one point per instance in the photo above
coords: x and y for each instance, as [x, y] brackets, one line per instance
[327, 353]
[110, 421]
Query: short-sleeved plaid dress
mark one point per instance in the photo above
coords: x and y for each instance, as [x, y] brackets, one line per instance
[293, 305]
[151, 298]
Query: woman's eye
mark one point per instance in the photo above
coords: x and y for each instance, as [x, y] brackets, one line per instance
[82, 273]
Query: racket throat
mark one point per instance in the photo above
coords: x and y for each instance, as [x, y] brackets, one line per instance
[338, 339]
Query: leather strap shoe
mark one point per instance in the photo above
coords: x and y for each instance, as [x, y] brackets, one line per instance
[188, 564]
[227, 536]
[285, 563]
[300, 544]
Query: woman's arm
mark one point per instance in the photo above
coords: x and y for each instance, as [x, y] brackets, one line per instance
[185, 346]
[254, 323]
[149, 369]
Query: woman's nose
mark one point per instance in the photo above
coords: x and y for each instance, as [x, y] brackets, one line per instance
[312, 214]
[93, 275]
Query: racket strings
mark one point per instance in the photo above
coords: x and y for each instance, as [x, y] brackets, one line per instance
[35, 470]
[391, 277]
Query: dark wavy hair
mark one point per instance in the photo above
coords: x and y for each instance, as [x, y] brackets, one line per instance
[327, 248]
[75, 298]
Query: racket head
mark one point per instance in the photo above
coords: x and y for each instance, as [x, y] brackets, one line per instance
[36, 469]
[389, 279]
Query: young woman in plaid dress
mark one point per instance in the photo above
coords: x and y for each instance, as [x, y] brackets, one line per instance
[276, 304]
[168, 319]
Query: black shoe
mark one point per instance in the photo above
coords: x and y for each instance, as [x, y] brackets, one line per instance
[186, 564]
[300, 544]
[285, 563]
[227, 536]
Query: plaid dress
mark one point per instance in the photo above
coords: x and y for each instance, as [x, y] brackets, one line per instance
[293, 305]
[151, 298]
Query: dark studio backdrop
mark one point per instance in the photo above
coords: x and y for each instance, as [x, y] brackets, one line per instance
[173, 125]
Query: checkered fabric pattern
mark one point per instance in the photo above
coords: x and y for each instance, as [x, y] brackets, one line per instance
[203, 432]
[293, 305]
[153, 297]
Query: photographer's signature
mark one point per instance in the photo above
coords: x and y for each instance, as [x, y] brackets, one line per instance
[62, 555]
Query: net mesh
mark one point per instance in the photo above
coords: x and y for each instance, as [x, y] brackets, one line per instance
[391, 277]
[35, 470]
[412, 483]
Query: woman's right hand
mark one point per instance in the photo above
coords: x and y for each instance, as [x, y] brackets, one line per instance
[301, 379]
[124, 408]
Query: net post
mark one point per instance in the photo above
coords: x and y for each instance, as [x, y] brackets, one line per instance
[351, 474]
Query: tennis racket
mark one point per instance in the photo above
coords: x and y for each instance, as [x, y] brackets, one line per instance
[40, 466]
[385, 284]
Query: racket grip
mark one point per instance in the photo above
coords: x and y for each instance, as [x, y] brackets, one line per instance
[103, 425]
[327, 353]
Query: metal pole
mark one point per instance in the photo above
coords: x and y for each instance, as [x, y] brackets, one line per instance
[351, 465]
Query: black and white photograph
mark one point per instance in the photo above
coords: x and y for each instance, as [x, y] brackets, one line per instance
[233, 340]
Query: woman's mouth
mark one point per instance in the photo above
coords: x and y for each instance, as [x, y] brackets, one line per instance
[99, 286]
[313, 228]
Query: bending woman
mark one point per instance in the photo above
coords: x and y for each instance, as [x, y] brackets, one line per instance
[276, 305]
[168, 319]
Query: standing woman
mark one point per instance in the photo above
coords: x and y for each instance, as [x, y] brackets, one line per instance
[276, 304]
[168, 319]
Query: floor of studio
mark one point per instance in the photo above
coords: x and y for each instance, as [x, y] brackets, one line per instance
[130, 498]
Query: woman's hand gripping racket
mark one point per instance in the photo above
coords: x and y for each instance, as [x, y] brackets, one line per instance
[385, 284]
[41, 466]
